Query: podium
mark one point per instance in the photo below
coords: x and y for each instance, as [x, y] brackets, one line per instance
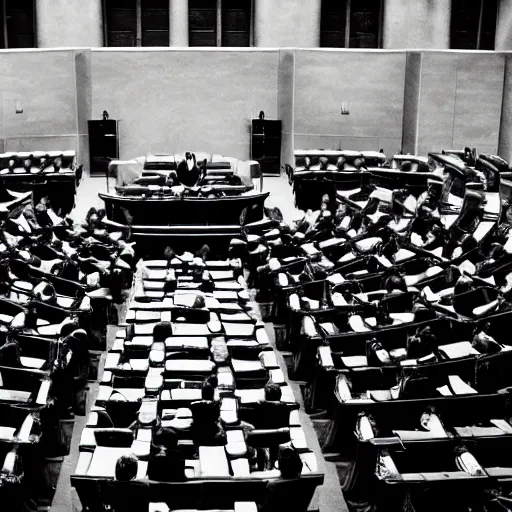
[266, 145]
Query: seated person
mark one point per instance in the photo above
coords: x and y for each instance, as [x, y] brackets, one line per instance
[270, 413]
[165, 463]
[126, 493]
[126, 468]
[188, 172]
[206, 427]
[287, 493]
[10, 354]
[162, 331]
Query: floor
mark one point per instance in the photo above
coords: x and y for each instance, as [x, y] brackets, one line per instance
[328, 498]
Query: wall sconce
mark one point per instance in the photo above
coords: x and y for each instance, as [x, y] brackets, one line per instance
[18, 107]
[344, 108]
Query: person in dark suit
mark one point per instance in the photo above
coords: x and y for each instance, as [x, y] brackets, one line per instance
[270, 413]
[166, 463]
[188, 172]
[206, 427]
[287, 493]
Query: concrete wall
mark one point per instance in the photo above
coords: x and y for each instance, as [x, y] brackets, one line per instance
[460, 100]
[176, 100]
[287, 23]
[203, 100]
[69, 23]
[417, 24]
[371, 82]
[45, 84]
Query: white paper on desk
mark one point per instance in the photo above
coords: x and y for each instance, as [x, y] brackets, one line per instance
[354, 361]
[103, 463]
[458, 350]
[277, 376]
[415, 435]
[459, 386]
[502, 425]
[250, 396]
[445, 391]
[240, 468]
[7, 433]
[214, 462]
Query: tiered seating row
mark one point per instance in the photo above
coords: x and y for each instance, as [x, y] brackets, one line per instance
[150, 382]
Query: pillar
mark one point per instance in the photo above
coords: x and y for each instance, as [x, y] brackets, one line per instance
[505, 140]
[69, 23]
[287, 23]
[421, 24]
[285, 104]
[503, 40]
[178, 12]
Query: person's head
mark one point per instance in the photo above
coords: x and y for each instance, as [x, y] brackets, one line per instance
[165, 438]
[126, 468]
[207, 391]
[272, 392]
[290, 463]
[162, 331]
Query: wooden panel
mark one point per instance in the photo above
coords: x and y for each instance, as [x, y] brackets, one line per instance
[20, 23]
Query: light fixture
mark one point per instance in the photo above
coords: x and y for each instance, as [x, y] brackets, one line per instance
[19, 107]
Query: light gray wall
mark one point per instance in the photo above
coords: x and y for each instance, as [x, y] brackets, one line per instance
[372, 82]
[176, 100]
[287, 23]
[69, 23]
[460, 100]
[421, 24]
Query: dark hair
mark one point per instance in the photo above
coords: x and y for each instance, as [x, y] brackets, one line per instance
[165, 437]
[290, 463]
[126, 468]
[162, 331]
[207, 391]
[272, 392]
[68, 328]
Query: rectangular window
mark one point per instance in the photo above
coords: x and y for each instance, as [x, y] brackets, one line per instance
[351, 23]
[220, 22]
[136, 22]
[18, 24]
[473, 24]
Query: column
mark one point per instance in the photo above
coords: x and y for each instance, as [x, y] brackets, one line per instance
[505, 140]
[178, 12]
[287, 23]
[285, 104]
[503, 40]
[69, 23]
[418, 24]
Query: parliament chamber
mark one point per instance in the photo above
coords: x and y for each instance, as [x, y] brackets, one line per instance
[255, 255]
